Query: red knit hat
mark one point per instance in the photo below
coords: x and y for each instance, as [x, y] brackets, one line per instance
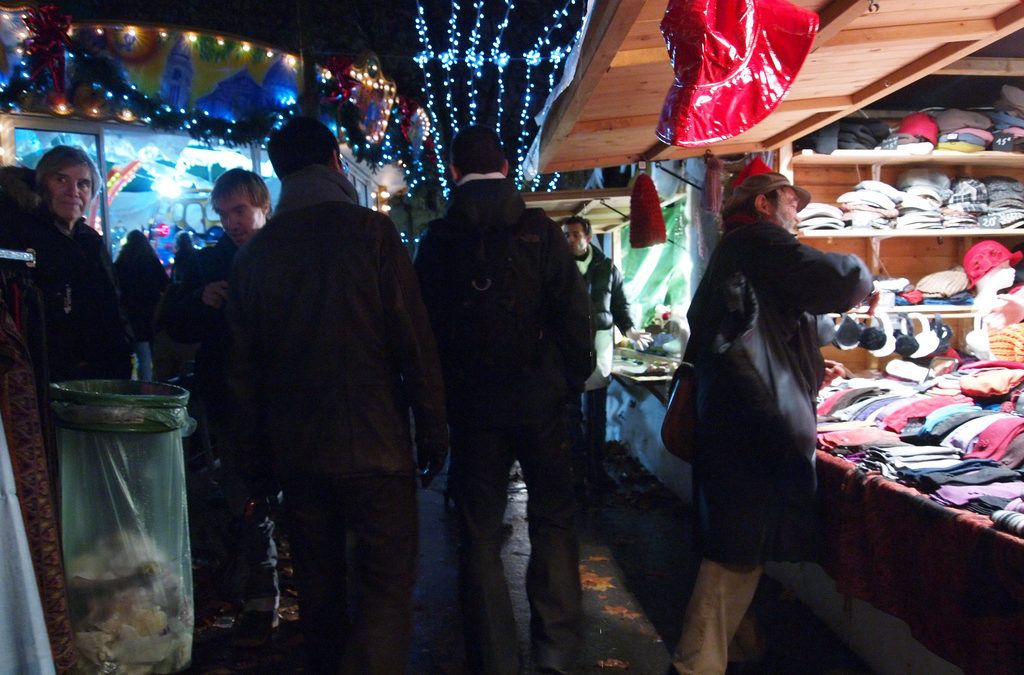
[646, 222]
[921, 125]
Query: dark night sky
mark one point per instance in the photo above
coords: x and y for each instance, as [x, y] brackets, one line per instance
[348, 27]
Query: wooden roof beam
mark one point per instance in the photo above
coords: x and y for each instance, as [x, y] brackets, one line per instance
[1006, 23]
[931, 33]
[651, 121]
[991, 66]
[836, 16]
[608, 27]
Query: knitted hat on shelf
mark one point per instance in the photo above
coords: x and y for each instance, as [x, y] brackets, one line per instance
[646, 222]
[1007, 344]
[944, 284]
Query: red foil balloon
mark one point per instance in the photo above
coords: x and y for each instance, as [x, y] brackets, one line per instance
[734, 60]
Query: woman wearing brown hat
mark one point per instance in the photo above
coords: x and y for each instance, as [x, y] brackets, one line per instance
[754, 476]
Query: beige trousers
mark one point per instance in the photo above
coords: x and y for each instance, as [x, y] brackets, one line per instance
[720, 599]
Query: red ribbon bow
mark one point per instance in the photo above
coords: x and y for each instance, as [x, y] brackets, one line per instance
[45, 48]
[341, 69]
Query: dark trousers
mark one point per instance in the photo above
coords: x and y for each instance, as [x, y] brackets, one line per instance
[587, 415]
[380, 512]
[481, 459]
[251, 529]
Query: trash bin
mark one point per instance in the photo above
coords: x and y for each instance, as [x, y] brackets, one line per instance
[125, 523]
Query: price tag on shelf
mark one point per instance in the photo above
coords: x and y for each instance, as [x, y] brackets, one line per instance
[890, 143]
[1003, 142]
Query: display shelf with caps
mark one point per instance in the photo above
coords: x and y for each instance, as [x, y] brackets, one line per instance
[881, 158]
[910, 252]
[867, 233]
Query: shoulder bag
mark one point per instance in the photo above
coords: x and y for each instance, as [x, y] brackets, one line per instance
[681, 416]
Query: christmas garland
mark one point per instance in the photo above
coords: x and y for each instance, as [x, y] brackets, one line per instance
[63, 78]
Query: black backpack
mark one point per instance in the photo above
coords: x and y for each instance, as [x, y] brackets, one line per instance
[496, 297]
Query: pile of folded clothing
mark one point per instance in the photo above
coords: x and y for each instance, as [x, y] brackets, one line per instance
[946, 287]
[923, 199]
[1011, 517]
[963, 130]
[821, 216]
[1005, 203]
[851, 133]
[1008, 120]
[968, 199]
[967, 433]
[871, 204]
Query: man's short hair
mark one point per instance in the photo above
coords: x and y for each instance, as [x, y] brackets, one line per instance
[477, 149]
[61, 157]
[246, 182]
[301, 142]
[578, 220]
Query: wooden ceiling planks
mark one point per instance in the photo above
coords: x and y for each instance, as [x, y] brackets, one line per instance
[609, 113]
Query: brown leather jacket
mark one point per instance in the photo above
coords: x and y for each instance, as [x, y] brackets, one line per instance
[331, 345]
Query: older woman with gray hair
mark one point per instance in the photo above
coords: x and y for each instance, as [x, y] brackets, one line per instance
[87, 336]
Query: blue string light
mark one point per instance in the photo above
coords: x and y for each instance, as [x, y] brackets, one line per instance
[449, 59]
[543, 55]
[501, 60]
[534, 59]
[423, 59]
[475, 60]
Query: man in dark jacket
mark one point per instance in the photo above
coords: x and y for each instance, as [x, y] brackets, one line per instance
[331, 346]
[609, 307]
[753, 471]
[511, 318]
[195, 311]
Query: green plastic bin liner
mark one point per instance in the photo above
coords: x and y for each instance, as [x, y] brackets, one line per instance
[125, 523]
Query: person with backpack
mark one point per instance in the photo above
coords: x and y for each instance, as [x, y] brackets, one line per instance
[512, 322]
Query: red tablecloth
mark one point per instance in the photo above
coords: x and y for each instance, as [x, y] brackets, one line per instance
[953, 578]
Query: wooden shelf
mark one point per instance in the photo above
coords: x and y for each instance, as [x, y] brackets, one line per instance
[1010, 160]
[861, 233]
[947, 311]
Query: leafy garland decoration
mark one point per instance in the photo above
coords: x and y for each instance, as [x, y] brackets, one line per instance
[97, 88]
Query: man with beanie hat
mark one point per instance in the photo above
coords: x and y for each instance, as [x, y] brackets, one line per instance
[754, 477]
[332, 347]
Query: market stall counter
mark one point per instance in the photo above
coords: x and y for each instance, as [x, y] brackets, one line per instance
[637, 399]
[956, 580]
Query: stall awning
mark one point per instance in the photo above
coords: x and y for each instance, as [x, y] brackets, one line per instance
[606, 209]
[608, 114]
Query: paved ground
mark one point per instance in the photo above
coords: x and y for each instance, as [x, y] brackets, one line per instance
[637, 571]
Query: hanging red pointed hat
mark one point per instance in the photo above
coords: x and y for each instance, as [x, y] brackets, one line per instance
[734, 60]
[646, 222]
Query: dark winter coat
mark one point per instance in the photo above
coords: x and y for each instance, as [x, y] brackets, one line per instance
[87, 336]
[331, 343]
[142, 282]
[188, 319]
[755, 500]
[608, 301]
[491, 396]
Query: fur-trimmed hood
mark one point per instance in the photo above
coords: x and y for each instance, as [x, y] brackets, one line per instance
[17, 184]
